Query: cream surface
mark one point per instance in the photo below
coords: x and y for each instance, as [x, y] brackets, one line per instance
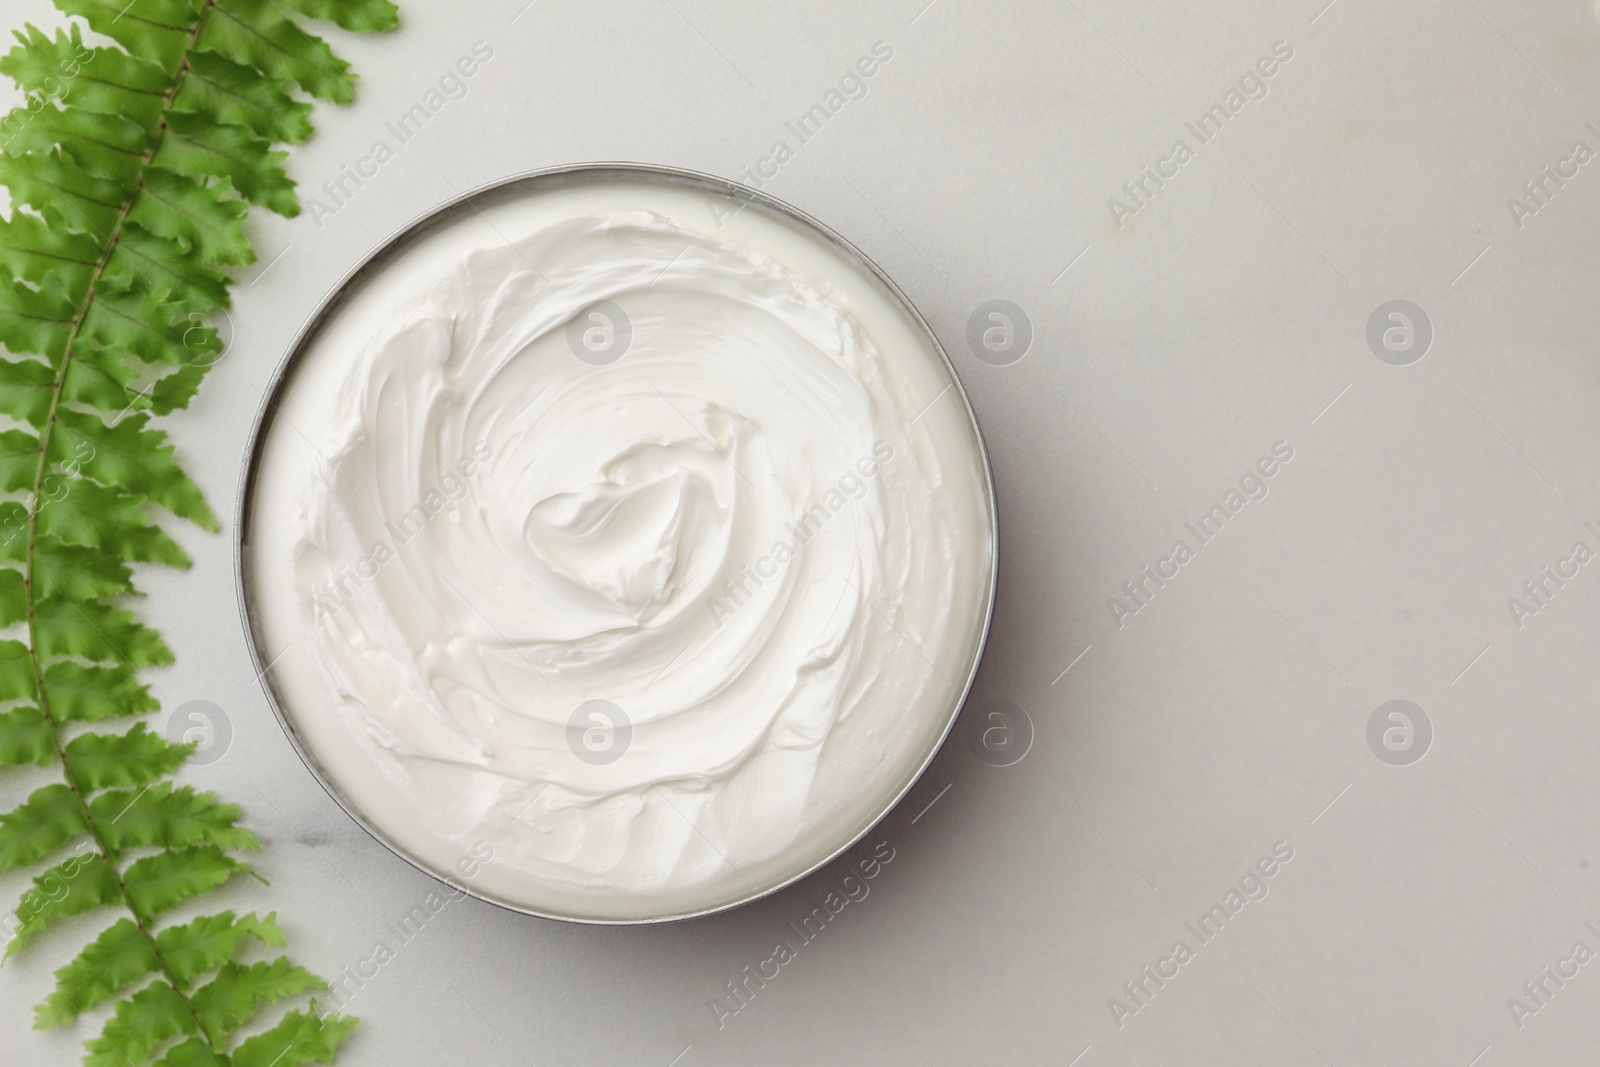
[653, 553]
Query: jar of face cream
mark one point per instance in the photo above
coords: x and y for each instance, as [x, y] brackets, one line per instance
[622, 533]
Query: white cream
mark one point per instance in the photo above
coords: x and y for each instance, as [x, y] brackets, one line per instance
[758, 542]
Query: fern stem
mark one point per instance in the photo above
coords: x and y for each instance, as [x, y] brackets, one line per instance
[29, 592]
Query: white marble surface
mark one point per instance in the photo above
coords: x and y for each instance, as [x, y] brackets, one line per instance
[1224, 315]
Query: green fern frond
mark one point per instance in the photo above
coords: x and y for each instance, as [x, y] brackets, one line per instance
[130, 174]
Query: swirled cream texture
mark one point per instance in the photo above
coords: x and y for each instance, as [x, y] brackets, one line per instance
[630, 555]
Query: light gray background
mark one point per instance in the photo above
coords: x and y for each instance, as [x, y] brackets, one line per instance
[1227, 315]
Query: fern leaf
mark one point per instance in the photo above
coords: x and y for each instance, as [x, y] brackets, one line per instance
[155, 29]
[350, 14]
[115, 365]
[201, 219]
[41, 824]
[163, 881]
[107, 146]
[226, 92]
[71, 887]
[25, 384]
[19, 462]
[16, 672]
[138, 321]
[199, 148]
[13, 595]
[210, 941]
[106, 520]
[51, 180]
[79, 693]
[177, 389]
[142, 254]
[256, 34]
[35, 63]
[103, 761]
[195, 1052]
[232, 998]
[25, 738]
[96, 632]
[130, 456]
[107, 81]
[301, 1038]
[141, 1024]
[33, 320]
[120, 956]
[29, 247]
[76, 573]
[168, 817]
